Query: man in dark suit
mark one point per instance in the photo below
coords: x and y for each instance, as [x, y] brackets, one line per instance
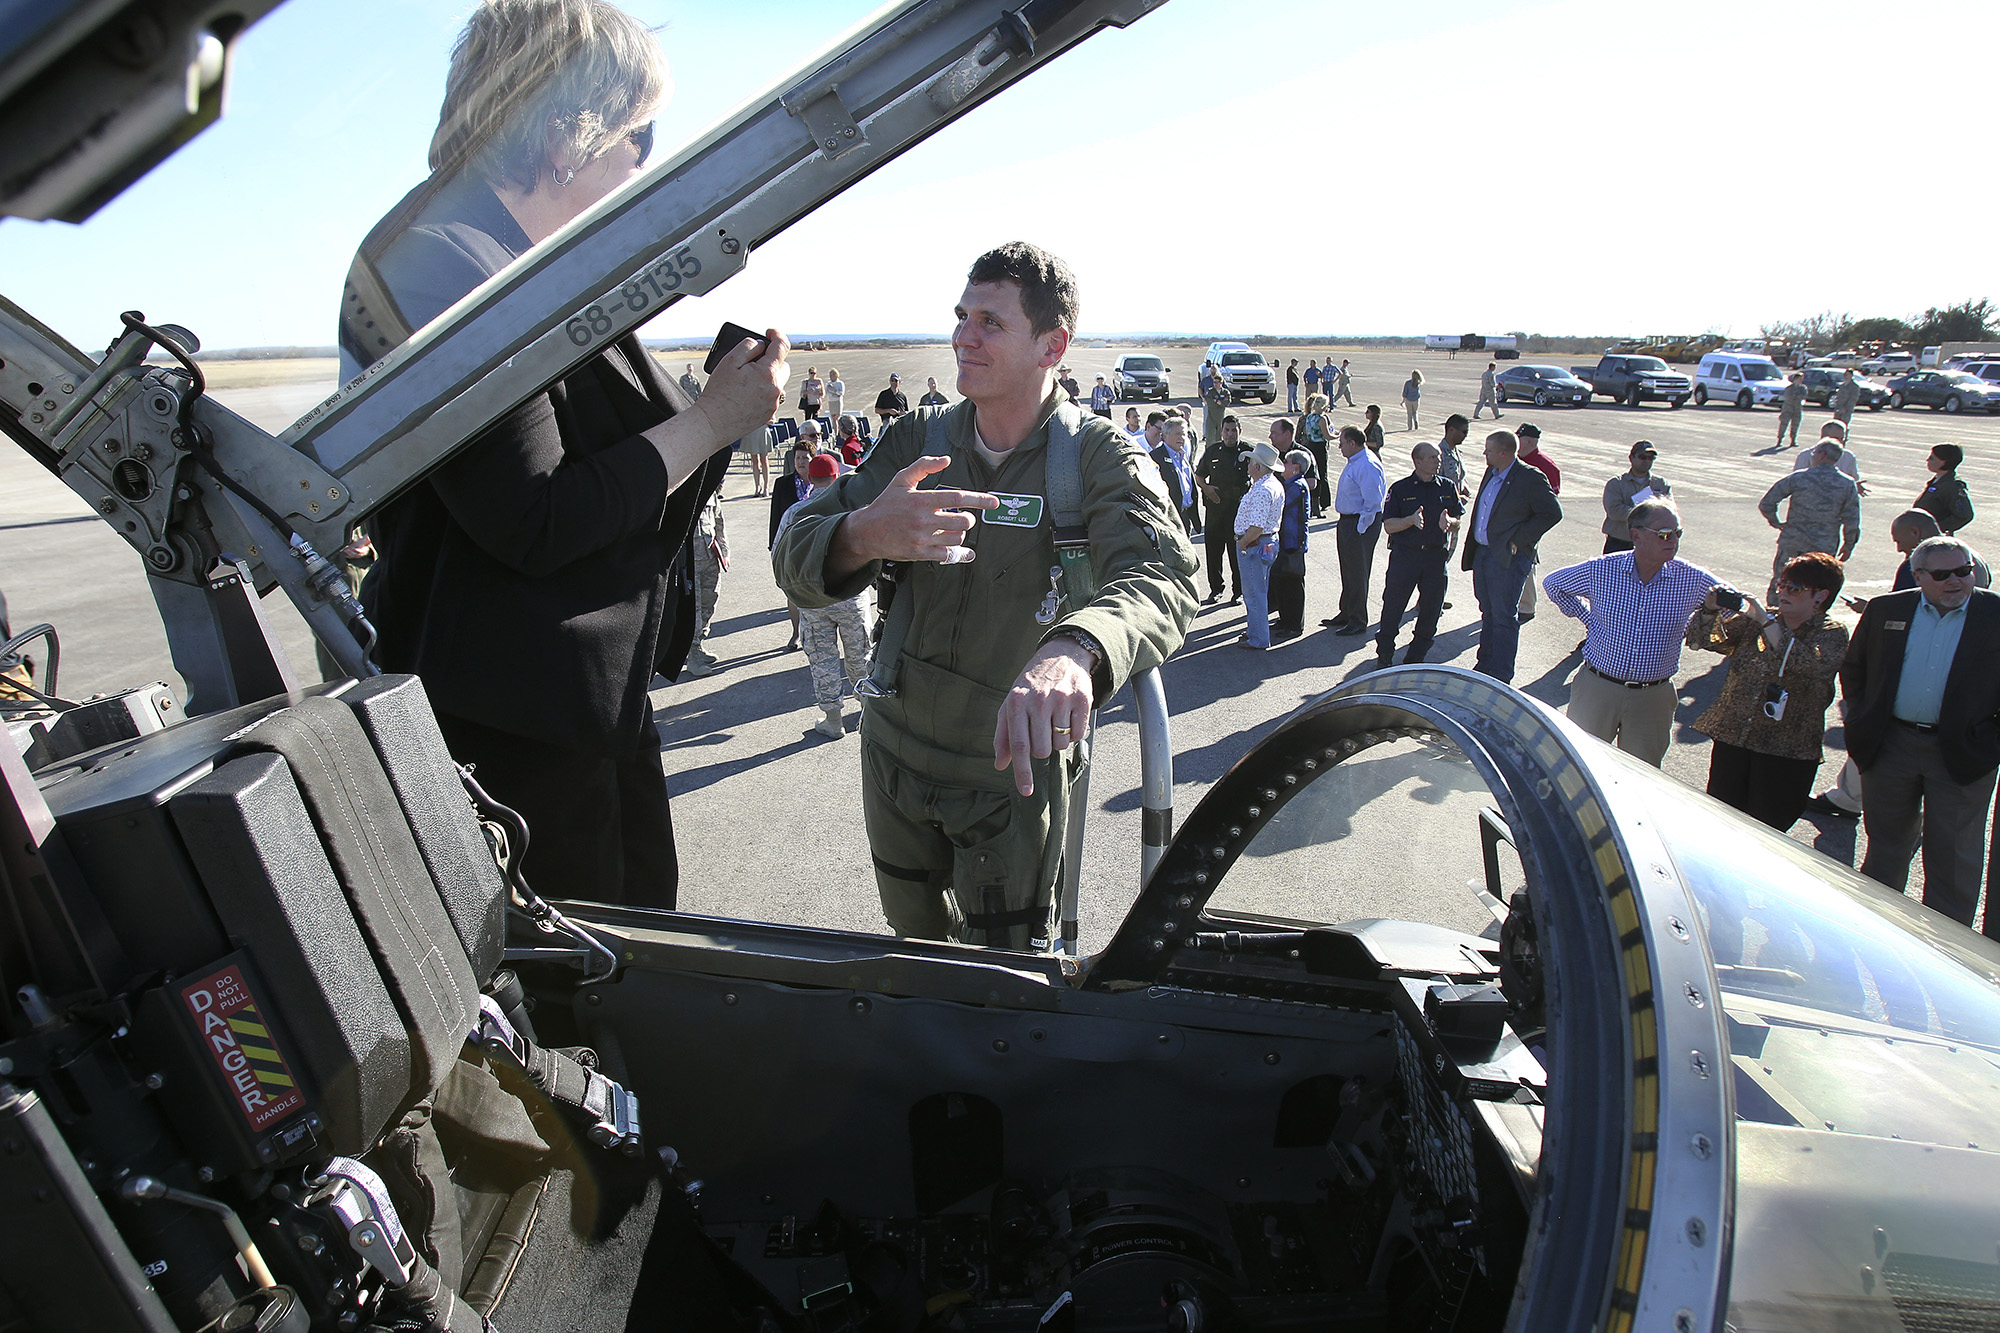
[1513, 509]
[1923, 725]
[1176, 462]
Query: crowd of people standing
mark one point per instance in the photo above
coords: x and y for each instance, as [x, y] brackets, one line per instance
[1255, 506]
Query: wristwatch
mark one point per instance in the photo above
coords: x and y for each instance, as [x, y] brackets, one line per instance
[1090, 645]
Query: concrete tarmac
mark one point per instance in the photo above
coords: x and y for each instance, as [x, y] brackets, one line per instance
[767, 811]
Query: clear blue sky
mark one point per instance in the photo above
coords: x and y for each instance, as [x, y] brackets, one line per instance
[1222, 166]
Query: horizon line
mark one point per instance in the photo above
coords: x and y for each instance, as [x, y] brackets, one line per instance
[283, 351]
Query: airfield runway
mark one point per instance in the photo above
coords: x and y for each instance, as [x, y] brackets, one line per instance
[767, 811]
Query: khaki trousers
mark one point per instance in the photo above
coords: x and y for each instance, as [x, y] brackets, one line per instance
[1641, 722]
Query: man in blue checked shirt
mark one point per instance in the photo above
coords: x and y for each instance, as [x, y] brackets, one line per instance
[1635, 606]
[1358, 501]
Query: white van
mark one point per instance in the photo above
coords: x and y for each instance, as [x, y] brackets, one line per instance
[1739, 378]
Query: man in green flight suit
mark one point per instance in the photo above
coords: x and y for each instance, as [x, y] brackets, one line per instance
[970, 736]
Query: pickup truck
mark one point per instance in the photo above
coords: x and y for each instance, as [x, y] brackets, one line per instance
[1633, 380]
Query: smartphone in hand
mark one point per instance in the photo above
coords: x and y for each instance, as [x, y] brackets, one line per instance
[731, 335]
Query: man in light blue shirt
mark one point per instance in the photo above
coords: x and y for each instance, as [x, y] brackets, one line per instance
[1923, 726]
[1483, 511]
[1358, 501]
[1934, 634]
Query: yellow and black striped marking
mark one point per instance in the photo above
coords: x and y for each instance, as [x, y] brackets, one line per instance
[254, 1040]
[1570, 792]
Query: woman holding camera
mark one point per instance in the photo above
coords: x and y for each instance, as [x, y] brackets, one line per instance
[1770, 719]
[552, 548]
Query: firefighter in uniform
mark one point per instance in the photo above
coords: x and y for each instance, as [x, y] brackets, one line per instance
[996, 647]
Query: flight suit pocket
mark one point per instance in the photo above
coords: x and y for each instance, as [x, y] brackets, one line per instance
[1001, 902]
[951, 711]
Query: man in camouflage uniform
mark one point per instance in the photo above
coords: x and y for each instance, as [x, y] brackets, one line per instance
[832, 635]
[1792, 409]
[1844, 399]
[1489, 396]
[971, 734]
[1825, 513]
[1215, 405]
[711, 557]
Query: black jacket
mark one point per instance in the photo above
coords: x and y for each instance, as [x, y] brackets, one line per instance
[1946, 499]
[1969, 722]
[786, 491]
[1524, 510]
[538, 579]
[1170, 482]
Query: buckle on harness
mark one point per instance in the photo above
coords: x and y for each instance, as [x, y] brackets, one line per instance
[356, 1198]
[609, 1110]
[496, 1035]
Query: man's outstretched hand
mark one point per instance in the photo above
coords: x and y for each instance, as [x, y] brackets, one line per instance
[1047, 710]
[904, 523]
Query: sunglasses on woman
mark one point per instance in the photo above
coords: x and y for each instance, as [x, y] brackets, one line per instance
[642, 139]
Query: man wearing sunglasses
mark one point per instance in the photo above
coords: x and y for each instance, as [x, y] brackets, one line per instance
[1635, 606]
[1923, 725]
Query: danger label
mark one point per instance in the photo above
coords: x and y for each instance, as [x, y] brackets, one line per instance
[231, 1026]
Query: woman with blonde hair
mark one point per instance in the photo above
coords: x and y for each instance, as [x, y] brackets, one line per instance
[1316, 433]
[1413, 392]
[546, 549]
[836, 394]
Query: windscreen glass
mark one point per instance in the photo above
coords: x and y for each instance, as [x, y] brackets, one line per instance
[1242, 359]
[1142, 363]
[1394, 831]
[1850, 1007]
[1863, 1039]
[1789, 926]
[1761, 370]
[533, 129]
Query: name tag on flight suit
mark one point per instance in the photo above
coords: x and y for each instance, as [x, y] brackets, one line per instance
[1016, 511]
